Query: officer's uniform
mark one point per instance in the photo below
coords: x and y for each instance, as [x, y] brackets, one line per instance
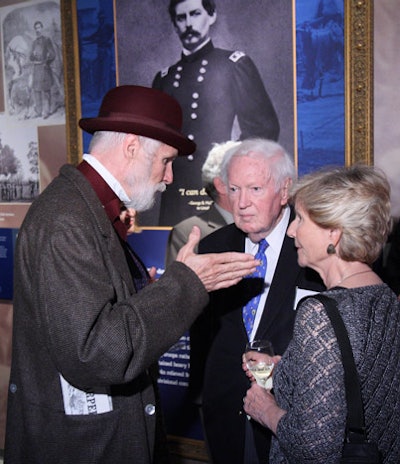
[214, 87]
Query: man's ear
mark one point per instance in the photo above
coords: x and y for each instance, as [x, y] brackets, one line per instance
[213, 18]
[131, 145]
[285, 191]
[220, 187]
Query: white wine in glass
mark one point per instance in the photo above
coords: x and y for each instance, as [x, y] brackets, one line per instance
[258, 354]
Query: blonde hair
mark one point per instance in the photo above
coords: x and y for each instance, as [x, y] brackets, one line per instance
[355, 200]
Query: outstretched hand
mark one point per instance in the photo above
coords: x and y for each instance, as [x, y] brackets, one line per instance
[216, 270]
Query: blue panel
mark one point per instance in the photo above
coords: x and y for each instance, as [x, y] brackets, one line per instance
[7, 246]
[96, 55]
[320, 84]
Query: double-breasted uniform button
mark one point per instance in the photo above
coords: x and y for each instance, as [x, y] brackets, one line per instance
[13, 388]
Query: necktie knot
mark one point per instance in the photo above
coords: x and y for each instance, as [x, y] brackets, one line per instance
[262, 246]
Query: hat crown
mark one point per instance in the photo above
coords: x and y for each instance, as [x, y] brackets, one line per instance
[142, 111]
[133, 101]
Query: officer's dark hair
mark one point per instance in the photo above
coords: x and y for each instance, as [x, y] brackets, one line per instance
[38, 23]
[208, 5]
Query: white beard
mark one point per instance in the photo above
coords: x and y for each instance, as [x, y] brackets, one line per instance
[144, 196]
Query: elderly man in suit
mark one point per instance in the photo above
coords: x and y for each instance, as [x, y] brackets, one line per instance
[88, 330]
[218, 214]
[222, 97]
[258, 174]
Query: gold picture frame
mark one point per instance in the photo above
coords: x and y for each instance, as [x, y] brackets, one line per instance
[358, 79]
[359, 82]
[358, 114]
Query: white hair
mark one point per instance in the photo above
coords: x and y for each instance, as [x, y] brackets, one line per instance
[212, 165]
[108, 139]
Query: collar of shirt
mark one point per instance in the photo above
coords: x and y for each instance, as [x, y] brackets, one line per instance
[274, 238]
[275, 241]
[110, 180]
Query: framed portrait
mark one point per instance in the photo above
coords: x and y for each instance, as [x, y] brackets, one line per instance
[287, 41]
[32, 104]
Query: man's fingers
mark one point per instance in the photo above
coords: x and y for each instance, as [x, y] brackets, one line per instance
[226, 269]
[188, 249]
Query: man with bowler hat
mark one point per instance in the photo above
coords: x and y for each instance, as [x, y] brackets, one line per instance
[88, 329]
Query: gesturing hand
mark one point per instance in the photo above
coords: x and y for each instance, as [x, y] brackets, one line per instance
[216, 270]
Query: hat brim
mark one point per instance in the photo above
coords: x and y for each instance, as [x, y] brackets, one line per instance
[147, 128]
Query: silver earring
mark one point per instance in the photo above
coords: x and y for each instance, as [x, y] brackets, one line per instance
[331, 250]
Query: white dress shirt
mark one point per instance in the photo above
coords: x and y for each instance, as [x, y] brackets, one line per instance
[275, 241]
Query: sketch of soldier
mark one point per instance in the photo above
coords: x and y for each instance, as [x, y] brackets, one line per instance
[42, 55]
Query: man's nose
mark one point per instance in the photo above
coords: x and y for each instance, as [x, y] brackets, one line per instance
[243, 199]
[169, 174]
[189, 22]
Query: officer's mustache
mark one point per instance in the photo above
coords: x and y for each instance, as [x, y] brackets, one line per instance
[190, 32]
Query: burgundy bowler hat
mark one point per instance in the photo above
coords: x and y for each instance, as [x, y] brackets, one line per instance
[142, 111]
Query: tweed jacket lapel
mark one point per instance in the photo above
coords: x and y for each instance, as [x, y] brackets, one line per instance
[102, 225]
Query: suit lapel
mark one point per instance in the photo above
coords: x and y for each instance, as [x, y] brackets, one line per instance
[285, 277]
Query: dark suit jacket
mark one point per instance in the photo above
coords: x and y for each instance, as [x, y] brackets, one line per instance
[221, 332]
[208, 222]
[76, 313]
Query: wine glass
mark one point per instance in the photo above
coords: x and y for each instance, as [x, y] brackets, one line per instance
[258, 356]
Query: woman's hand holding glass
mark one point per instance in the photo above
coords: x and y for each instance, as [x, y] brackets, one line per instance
[259, 403]
[259, 362]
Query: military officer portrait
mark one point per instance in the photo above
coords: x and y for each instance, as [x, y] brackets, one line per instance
[210, 70]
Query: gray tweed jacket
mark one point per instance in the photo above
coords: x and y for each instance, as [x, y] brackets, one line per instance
[76, 313]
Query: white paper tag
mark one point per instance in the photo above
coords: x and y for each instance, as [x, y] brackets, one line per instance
[301, 293]
[84, 402]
